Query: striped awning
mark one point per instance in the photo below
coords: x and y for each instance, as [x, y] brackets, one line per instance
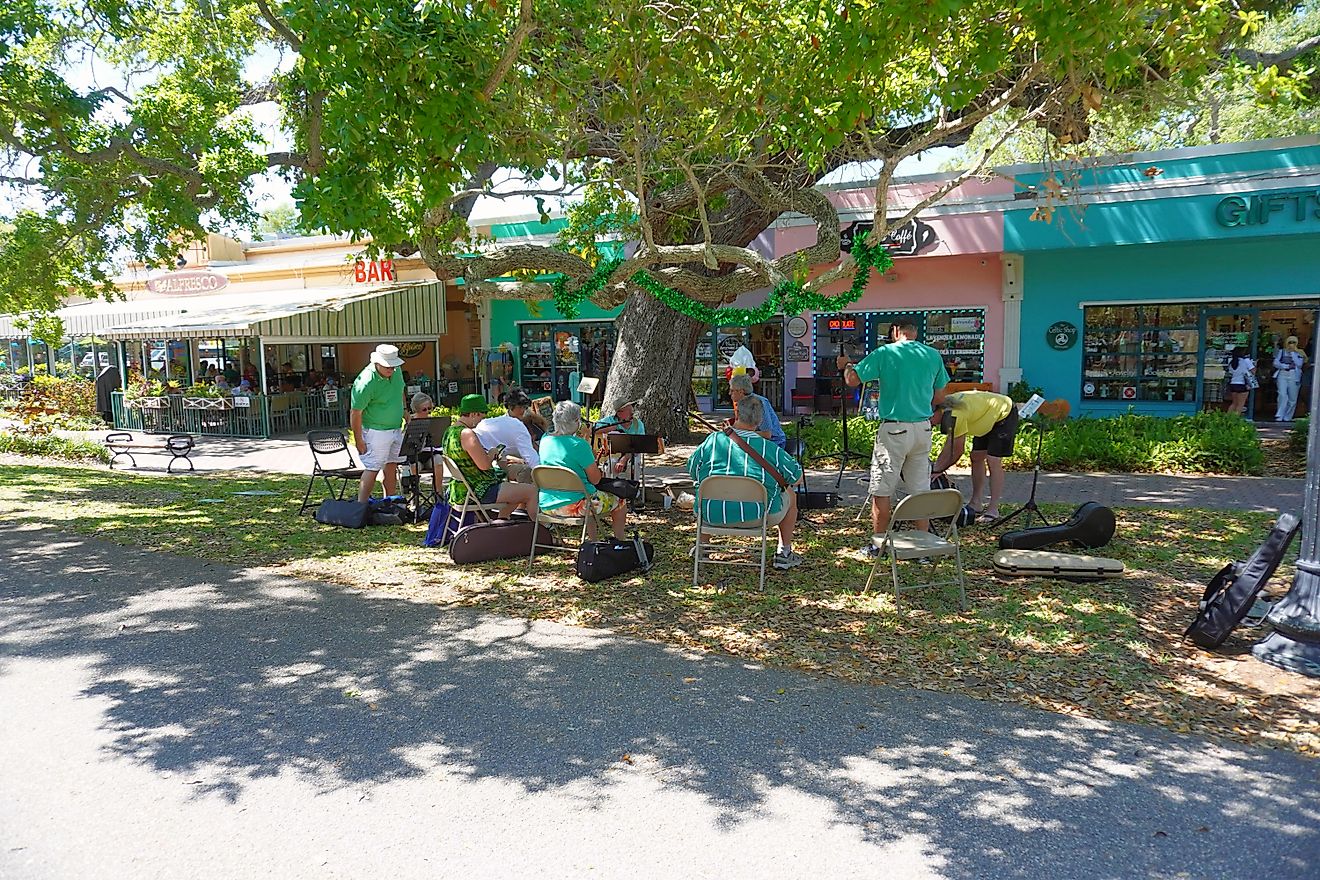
[397, 311]
[95, 317]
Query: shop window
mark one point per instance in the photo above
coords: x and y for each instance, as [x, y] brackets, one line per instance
[703, 369]
[959, 335]
[1141, 353]
[553, 358]
[13, 356]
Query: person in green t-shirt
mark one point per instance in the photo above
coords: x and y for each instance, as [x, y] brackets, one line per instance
[912, 378]
[624, 421]
[564, 448]
[376, 419]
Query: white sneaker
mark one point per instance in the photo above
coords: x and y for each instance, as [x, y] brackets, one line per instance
[785, 561]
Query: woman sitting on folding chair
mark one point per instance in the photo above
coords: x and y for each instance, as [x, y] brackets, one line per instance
[564, 448]
[479, 465]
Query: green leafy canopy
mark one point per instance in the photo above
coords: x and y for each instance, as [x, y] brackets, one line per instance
[128, 126]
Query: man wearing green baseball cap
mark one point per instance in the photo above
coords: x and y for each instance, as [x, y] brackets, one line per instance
[480, 465]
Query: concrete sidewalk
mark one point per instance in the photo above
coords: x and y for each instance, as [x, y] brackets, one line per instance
[166, 717]
[289, 454]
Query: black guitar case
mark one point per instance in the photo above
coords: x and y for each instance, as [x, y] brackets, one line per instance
[1091, 525]
[1233, 590]
[501, 539]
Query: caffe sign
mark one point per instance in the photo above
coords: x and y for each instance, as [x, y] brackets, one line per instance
[187, 283]
[907, 240]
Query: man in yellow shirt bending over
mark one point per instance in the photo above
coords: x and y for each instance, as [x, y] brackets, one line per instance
[992, 422]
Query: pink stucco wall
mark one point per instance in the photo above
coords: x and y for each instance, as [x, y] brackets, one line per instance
[957, 234]
[926, 283]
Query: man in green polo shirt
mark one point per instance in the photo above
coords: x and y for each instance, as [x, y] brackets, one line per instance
[912, 378]
[376, 418]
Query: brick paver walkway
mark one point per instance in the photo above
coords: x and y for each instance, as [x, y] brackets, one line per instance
[289, 454]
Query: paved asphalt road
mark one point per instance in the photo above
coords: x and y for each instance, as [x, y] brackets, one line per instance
[170, 718]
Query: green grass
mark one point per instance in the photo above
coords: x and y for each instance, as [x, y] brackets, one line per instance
[1107, 649]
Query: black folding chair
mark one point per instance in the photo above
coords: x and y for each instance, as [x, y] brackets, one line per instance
[326, 446]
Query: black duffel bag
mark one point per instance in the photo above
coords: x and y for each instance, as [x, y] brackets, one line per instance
[348, 514]
[601, 560]
[620, 488]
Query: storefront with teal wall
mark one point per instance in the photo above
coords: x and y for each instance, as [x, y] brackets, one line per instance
[1161, 266]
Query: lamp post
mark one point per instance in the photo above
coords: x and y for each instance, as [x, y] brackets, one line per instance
[1294, 643]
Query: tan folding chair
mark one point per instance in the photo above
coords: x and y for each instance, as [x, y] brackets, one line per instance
[471, 503]
[720, 488]
[913, 544]
[558, 479]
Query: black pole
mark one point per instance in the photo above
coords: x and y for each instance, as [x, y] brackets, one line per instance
[1295, 642]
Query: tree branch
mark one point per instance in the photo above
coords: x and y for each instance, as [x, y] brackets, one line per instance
[280, 26]
[1282, 59]
[259, 93]
[516, 40]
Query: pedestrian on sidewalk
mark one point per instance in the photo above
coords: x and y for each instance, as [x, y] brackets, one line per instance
[912, 378]
[1241, 379]
[1288, 366]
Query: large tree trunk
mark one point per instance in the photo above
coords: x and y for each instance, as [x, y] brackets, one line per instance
[653, 363]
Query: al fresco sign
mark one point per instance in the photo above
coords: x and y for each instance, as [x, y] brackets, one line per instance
[907, 240]
[1295, 206]
[184, 283]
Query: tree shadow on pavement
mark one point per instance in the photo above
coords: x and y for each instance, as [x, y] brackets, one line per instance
[233, 676]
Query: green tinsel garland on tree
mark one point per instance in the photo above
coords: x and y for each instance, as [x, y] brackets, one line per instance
[788, 297]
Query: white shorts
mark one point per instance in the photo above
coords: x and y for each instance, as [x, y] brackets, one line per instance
[901, 454]
[382, 448]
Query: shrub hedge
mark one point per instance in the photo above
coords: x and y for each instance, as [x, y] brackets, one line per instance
[1204, 443]
[51, 446]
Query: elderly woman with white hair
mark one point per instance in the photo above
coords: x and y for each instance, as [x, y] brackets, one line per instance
[565, 448]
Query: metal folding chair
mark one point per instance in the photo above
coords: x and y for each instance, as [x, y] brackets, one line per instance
[326, 445]
[908, 544]
[559, 479]
[470, 504]
[721, 488]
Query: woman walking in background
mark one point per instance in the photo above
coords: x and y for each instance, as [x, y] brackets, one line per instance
[1288, 364]
[1241, 373]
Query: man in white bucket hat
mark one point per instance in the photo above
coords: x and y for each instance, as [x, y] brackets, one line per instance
[376, 418]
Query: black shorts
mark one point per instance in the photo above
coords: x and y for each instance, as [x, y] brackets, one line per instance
[492, 493]
[1238, 387]
[999, 440]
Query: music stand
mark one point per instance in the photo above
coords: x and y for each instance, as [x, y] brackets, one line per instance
[420, 435]
[1027, 412]
[637, 445]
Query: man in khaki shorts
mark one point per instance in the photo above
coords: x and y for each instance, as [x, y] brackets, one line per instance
[376, 417]
[912, 378]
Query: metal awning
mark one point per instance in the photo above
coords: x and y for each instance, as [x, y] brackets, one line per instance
[398, 310]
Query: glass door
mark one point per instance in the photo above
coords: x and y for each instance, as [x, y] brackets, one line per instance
[1224, 331]
[537, 361]
[567, 348]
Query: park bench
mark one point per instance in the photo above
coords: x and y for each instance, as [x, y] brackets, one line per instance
[179, 446]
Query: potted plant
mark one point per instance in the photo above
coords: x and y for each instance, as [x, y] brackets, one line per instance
[204, 397]
[147, 394]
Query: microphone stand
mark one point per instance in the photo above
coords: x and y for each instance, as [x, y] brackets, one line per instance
[845, 454]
